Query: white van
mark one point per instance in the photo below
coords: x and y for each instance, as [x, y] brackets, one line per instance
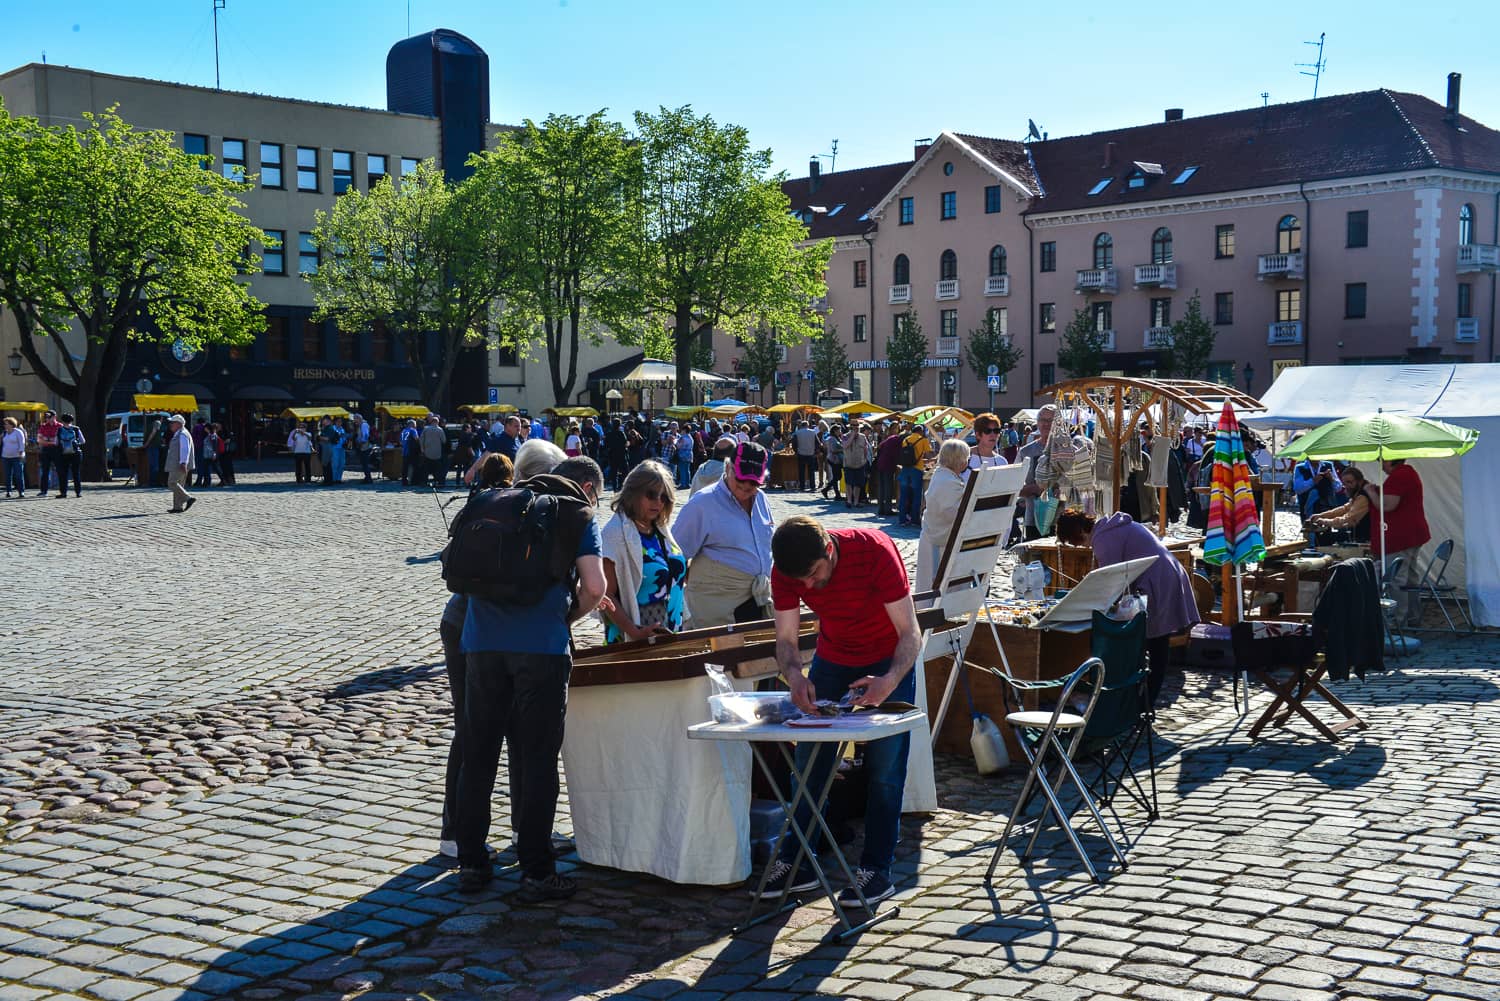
[132, 424]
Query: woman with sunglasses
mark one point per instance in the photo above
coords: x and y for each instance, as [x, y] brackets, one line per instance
[986, 451]
[644, 568]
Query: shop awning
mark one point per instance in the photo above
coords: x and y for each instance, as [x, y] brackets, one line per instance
[572, 411]
[313, 413]
[486, 409]
[196, 390]
[168, 402]
[267, 394]
[25, 408]
[336, 392]
[401, 412]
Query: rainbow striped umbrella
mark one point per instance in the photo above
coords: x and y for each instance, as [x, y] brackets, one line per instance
[1233, 526]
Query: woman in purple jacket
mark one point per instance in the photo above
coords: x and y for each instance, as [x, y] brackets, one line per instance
[1170, 607]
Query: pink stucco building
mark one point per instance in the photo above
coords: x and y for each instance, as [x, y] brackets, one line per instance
[1355, 228]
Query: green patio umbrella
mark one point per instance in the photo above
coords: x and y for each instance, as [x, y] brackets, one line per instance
[1381, 436]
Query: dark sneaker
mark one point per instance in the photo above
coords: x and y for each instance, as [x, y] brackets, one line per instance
[473, 878]
[782, 877]
[553, 887]
[875, 886]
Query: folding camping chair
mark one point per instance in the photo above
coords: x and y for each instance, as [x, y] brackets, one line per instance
[1284, 656]
[1051, 760]
[1389, 606]
[1122, 718]
[1436, 585]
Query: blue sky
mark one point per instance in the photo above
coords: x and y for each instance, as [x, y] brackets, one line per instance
[874, 74]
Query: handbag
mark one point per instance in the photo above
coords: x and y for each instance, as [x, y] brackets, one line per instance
[1046, 513]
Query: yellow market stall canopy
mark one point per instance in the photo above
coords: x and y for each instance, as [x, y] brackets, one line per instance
[169, 402]
[781, 409]
[685, 413]
[572, 411]
[25, 408]
[313, 413]
[856, 407]
[403, 411]
[486, 409]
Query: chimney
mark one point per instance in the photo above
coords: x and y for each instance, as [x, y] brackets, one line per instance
[1454, 80]
[1109, 154]
[1174, 114]
[923, 145]
[814, 175]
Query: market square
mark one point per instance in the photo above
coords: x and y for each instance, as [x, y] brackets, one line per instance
[575, 500]
[270, 767]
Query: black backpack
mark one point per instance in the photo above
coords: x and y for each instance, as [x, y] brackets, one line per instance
[909, 452]
[510, 545]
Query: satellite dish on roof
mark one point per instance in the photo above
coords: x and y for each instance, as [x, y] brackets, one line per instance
[1032, 132]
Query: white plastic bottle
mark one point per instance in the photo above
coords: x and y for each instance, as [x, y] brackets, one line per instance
[988, 745]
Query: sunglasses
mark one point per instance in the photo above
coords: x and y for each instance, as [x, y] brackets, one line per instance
[655, 495]
[989, 430]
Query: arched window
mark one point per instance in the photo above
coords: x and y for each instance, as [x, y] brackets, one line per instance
[1161, 246]
[948, 266]
[997, 260]
[1104, 251]
[901, 271]
[1466, 225]
[1289, 235]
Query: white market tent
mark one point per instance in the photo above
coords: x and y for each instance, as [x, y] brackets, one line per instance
[1457, 494]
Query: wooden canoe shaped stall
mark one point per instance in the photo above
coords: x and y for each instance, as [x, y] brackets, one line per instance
[643, 797]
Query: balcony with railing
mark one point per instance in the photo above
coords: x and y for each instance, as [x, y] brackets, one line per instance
[1467, 330]
[900, 293]
[1156, 276]
[1288, 332]
[997, 285]
[1289, 266]
[947, 289]
[947, 347]
[1478, 257]
[1158, 337]
[1104, 281]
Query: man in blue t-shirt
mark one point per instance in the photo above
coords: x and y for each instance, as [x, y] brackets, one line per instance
[516, 691]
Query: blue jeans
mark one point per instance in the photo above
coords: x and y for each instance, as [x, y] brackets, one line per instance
[885, 768]
[338, 463]
[15, 474]
[909, 501]
[685, 472]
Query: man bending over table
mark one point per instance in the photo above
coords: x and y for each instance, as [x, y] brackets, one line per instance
[844, 576]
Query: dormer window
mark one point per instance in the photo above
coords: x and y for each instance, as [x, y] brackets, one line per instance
[1143, 173]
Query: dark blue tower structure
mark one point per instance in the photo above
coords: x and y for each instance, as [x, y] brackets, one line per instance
[445, 75]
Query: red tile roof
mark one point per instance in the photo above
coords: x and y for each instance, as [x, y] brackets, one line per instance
[1371, 132]
[857, 190]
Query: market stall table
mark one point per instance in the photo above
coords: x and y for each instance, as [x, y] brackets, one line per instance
[841, 731]
[784, 470]
[644, 801]
[1070, 564]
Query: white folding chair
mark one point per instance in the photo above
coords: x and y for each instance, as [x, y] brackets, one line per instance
[1434, 582]
[1039, 731]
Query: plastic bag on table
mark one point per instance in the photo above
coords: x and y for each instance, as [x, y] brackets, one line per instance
[1128, 607]
[726, 705]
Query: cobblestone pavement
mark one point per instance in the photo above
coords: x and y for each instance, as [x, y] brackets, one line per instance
[221, 746]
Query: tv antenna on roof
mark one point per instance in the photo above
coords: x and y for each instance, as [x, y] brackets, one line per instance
[831, 157]
[1315, 69]
[218, 6]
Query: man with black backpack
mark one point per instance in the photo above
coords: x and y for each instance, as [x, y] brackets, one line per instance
[528, 557]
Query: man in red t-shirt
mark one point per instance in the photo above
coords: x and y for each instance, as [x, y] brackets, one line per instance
[868, 639]
[1406, 532]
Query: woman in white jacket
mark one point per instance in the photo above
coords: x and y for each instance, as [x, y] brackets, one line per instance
[644, 568]
[944, 494]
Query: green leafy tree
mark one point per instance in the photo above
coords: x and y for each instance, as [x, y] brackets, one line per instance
[563, 197]
[988, 346]
[830, 359]
[906, 351]
[417, 257]
[760, 358]
[116, 235]
[1192, 343]
[659, 343]
[717, 244]
[1080, 352]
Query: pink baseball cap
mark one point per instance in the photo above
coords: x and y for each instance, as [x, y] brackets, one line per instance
[750, 463]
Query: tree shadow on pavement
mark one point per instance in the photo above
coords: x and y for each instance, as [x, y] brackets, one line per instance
[385, 679]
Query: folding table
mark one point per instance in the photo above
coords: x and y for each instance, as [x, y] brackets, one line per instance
[851, 728]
